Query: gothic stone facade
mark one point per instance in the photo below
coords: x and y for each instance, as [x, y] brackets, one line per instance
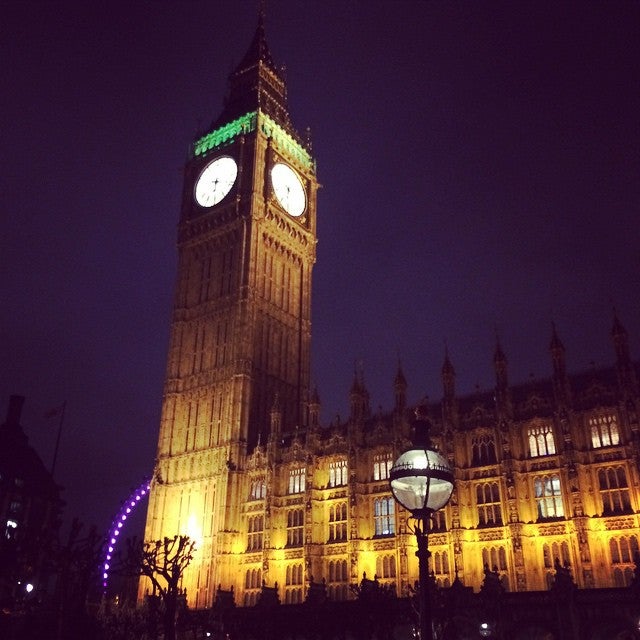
[544, 472]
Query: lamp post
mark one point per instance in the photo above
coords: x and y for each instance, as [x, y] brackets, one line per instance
[422, 482]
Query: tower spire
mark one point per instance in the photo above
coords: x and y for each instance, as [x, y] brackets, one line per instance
[257, 83]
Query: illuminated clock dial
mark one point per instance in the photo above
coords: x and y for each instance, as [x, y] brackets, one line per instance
[288, 189]
[216, 181]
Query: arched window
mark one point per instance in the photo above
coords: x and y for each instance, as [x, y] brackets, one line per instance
[258, 489]
[488, 502]
[295, 527]
[541, 440]
[495, 558]
[384, 516]
[297, 480]
[382, 463]
[614, 490]
[556, 551]
[338, 476]
[386, 566]
[548, 496]
[483, 450]
[338, 522]
[440, 563]
[256, 533]
[604, 430]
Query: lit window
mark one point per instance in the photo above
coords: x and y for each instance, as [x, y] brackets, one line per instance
[295, 528]
[338, 522]
[255, 533]
[489, 507]
[549, 497]
[604, 430]
[483, 450]
[384, 516]
[338, 473]
[297, 480]
[614, 490]
[258, 489]
[541, 440]
[382, 464]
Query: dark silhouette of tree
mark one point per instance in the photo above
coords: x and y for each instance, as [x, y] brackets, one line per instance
[163, 562]
[76, 565]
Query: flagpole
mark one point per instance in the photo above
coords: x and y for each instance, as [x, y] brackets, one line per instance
[55, 451]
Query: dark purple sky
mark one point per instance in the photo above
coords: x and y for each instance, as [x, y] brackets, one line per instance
[480, 170]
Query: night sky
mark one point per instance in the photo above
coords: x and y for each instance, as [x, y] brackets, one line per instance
[480, 170]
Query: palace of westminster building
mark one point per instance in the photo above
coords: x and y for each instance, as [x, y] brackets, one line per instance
[546, 472]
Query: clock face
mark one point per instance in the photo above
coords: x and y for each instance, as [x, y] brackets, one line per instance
[216, 181]
[288, 189]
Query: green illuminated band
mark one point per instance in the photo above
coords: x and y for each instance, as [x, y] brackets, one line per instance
[246, 124]
[228, 132]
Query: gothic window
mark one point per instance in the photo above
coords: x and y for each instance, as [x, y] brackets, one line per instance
[338, 582]
[258, 489]
[614, 490]
[488, 501]
[556, 551]
[297, 480]
[495, 558]
[384, 516]
[548, 497]
[623, 551]
[604, 430]
[255, 533]
[541, 440]
[338, 571]
[382, 463]
[252, 586]
[483, 450]
[294, 574]
[439, 565]
[338, 522]
[386, 567]
[338, 473]
[439, 521]
[295, 527]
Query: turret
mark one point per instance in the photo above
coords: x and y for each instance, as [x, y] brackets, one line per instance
[561, 388]
[314, 409]
[503, 403]
[449, 405]
[358, 399]
[624, 366]
[276, 416]
[400, 389]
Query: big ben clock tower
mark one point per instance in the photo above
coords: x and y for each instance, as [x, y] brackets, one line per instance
[241, 325]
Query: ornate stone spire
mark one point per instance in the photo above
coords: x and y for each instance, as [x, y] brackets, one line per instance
[256, 83]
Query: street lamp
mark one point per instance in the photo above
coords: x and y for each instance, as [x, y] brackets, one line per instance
[422, 482]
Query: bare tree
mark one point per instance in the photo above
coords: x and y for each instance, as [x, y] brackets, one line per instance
[164, 563]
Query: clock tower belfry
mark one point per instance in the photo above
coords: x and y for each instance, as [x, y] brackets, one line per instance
[241, 325]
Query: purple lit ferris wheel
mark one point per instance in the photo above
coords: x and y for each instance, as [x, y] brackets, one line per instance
[134, 499]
